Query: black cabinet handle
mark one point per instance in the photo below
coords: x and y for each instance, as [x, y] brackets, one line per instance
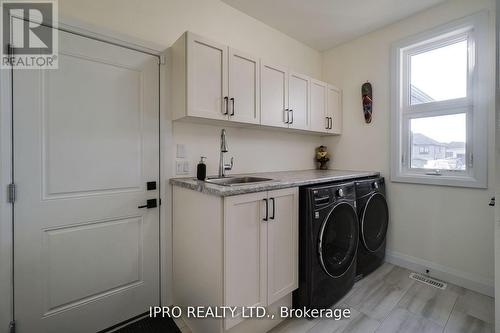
[274, 208]
[291, 112]
[492, 202]
[327, 123]
[150, 203]
[331, 122]
[232, 104]
[226, 102]
[267, 210]
[286, 116]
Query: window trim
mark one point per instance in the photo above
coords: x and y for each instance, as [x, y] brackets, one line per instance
[476, 104]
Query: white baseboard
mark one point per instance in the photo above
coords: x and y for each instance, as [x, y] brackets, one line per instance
[447, 274]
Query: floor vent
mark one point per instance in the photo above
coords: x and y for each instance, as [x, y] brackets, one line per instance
[428, 280]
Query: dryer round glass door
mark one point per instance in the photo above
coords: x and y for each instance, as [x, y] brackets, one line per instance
[338, 240]
[374, 222]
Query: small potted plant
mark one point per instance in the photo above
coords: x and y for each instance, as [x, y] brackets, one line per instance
[322, 157]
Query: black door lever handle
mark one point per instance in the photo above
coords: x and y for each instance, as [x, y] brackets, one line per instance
[150, 203]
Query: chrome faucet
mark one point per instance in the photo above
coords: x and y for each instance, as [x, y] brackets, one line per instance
[223, 149]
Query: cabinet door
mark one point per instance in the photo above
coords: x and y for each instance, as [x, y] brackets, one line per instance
[245, 252]
[318, 106]
[207, 78]
[244, 92]
[274, 95]
[282, 243]
[334, 109]
[298, 101]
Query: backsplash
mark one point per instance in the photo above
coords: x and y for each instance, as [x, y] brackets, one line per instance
[254, 150]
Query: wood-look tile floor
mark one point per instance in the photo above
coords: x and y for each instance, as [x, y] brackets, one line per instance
[389, 301]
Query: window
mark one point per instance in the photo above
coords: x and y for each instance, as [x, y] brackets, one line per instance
[440, 105]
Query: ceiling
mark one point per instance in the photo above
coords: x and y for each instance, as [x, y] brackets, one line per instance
[323, 24]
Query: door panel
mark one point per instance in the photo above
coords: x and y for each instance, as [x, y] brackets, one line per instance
[298, 97]
[245, 253]
[334, 109]
[207, 78]
[244, 91]
[274, 95]
[68, 118]
[86, 142]
[282, 244]
[70, 283]
[318, 106]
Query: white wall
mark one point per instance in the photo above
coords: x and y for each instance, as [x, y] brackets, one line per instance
[254, 150]
[162, 22]
[450, 229]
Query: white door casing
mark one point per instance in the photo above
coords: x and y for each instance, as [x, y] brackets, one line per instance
[86, 142]
[244, 87]
[274, 95]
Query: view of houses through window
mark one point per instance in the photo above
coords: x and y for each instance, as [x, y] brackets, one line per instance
[438, 142]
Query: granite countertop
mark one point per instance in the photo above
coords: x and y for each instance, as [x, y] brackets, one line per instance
[282, 179]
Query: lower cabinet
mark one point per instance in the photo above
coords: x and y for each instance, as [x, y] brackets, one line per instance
[237, 251]
[261, 248]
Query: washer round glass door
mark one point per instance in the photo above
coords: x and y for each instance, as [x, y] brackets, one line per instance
[374, 222]
[338, 240]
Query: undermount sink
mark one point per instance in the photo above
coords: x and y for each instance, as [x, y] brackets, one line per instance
[235, 181]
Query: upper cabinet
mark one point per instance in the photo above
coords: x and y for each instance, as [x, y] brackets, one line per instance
[334, 109]
[199, 82]
[274, 95]
[244, 91]
[298, 101]
[213, 81]
[284, 97]
[319, 121]
[326, 108]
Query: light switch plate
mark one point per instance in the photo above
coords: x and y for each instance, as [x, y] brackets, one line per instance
[185, 168]
[181, 167]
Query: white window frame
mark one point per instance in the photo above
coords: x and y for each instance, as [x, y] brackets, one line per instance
[475, 105]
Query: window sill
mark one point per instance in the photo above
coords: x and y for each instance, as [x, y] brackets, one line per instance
[441, 180]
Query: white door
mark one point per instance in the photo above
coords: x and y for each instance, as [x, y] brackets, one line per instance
[244, 92]
[298, 101]
[282, 243]
[274, 95]
[319, 122]
[85, 144]
[207, 78]
[334, 109]
[245, 252]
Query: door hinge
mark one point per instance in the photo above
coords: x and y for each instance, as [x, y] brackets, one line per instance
[10, 49]
[11, 193]
[12, 326]
[471, 160]
[162, 60]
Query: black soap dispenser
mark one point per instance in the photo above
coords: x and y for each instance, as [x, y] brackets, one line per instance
[201, 170]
